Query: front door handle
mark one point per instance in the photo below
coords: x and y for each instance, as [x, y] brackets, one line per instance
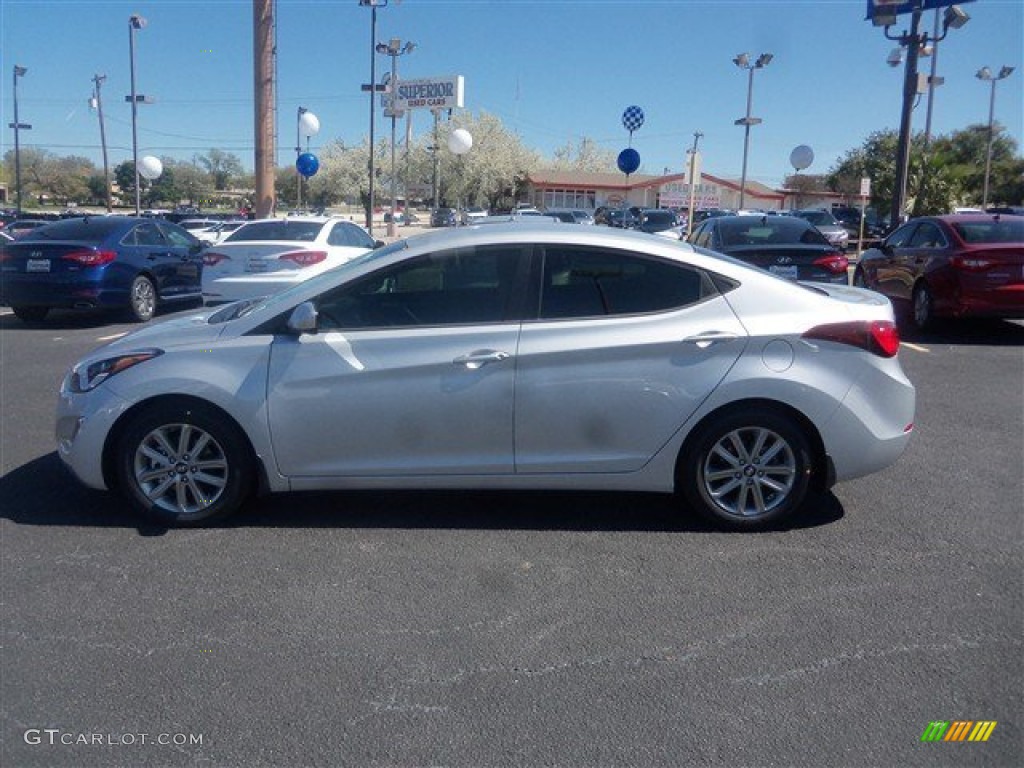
[480, 358]
[709, 338]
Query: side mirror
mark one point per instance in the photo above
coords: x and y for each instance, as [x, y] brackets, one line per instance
[303, 319]
[378, 244]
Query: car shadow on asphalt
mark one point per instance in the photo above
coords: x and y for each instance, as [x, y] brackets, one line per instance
[71, 319]
[43, 492]
[967, 332]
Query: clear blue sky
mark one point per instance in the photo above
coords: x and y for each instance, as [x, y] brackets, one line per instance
[553, 71]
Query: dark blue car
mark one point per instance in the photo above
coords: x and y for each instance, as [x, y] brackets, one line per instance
[101, 262]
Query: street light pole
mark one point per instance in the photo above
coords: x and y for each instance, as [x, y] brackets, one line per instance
[17, 125]
[394, 49]
[743, 62]
[372, 87]
[984, 74]
[135, 22]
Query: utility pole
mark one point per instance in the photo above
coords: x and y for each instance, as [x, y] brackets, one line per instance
[263, 62]
[97, 102]
[697, 136]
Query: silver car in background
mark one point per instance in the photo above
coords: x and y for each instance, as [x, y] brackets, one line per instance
[505, 356]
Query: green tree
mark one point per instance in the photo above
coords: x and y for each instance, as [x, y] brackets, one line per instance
[585, 156]
[221, 166]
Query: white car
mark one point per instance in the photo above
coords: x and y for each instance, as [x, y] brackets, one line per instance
[265, 256]
[502, 357]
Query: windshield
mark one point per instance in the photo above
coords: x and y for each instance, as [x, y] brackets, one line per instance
[274, 302]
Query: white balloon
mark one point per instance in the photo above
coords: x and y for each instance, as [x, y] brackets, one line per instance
[460, 141]
[801, 157]
[309, 124]
[150, 167]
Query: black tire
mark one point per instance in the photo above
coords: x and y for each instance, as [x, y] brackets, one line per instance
[721, 474]
[922, 308]
[142, 300]
[167, 481]
[31, 314]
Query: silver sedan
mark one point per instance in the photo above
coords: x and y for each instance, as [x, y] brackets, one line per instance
[506, 356]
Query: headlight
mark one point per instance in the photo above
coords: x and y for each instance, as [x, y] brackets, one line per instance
[85, 377]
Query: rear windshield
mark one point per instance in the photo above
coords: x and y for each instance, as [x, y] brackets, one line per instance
[995, 231]
[278, 229]
[93, 229]
[768, 230]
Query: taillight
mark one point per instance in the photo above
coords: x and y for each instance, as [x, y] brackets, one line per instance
[304, 258]
[972, 263]
[834, 262]
[213, 259]
[880, 337]
[90, 258]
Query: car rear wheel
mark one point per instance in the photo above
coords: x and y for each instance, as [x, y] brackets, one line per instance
[31, 314]
[923, 307]
[142, 299]
[184, 464]
[747, 469]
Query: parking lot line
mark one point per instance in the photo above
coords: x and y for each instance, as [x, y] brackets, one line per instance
[915, 347]
[112, 336]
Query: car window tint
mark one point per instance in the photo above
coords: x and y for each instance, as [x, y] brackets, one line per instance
[456, 287]
[585, 282]
[349, 235]
[994, 231]
[176, 237]
[92, 229]
[145, 234]
[277, 229]
[901, 237]
[927, 236]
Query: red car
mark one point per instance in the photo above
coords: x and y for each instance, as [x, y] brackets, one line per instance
[962, 265]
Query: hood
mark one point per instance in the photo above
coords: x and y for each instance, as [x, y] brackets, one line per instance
[180, 331]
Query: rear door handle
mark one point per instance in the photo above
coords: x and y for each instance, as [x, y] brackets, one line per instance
[709, 338]
[480, 358]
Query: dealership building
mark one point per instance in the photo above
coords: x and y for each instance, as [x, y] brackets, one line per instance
[575, 189]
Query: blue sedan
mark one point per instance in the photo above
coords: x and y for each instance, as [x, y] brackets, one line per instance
[101, 262]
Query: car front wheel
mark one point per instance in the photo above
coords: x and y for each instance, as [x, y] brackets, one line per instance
[184, 464]
[746, 469]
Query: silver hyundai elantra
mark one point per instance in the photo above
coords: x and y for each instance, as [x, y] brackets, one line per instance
[502, 356]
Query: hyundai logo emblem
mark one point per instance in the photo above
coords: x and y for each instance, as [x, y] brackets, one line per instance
[784, 260]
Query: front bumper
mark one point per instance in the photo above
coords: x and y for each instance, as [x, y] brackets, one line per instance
[83, 424]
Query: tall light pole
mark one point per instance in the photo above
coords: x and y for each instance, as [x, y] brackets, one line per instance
[96, 102]
[913, 41]
[743, 62]
[135, 22]
[373, 88]
[394, 49]
[18, 126]
[984, 74]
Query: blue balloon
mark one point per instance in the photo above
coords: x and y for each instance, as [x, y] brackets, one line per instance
[307, 164]
[629, 160]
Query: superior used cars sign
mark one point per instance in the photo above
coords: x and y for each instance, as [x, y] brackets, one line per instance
[432, 93]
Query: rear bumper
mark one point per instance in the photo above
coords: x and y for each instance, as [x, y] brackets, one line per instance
[15, 291]
[1005, 301]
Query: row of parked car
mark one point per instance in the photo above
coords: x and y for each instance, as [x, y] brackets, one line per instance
[135, 263]
[943, 266]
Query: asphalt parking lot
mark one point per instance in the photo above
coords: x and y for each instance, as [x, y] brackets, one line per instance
[489, 629]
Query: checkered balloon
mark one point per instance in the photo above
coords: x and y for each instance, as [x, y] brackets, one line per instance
[633, 118]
